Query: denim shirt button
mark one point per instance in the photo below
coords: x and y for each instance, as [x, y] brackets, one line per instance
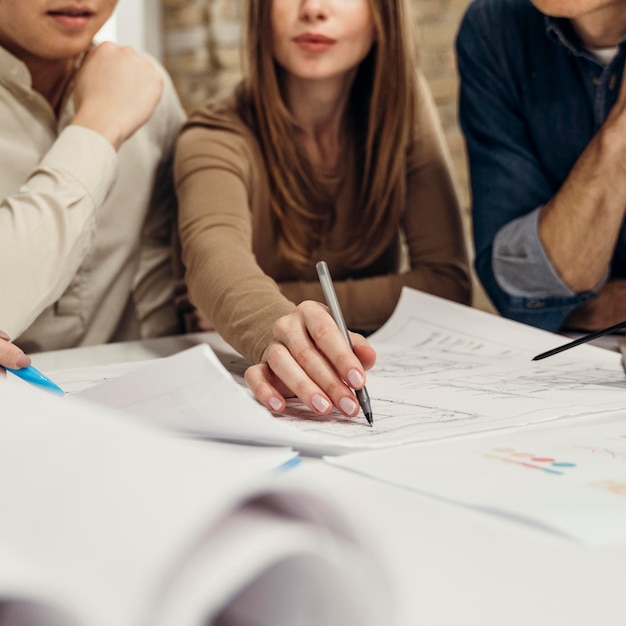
[535, 304]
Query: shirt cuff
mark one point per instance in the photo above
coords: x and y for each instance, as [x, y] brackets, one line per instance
[87, 157]
[520, 264]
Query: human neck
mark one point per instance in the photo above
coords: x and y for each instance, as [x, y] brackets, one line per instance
[603, 28]
[51, 78]
[320, 112]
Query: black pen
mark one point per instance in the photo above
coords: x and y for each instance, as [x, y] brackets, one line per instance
[583, 339]
[335, 310]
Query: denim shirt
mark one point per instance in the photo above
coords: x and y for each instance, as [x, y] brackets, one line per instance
[531, 100]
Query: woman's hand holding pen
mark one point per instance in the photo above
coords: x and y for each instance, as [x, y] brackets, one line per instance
[10, 355]
[310, 358]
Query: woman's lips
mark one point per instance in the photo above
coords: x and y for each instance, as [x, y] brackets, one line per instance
[311, 42]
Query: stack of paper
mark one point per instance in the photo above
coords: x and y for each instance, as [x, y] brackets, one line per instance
[442, 370]
[106, 522]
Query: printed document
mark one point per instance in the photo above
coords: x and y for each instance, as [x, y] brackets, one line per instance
[569, 478]
[442, 370]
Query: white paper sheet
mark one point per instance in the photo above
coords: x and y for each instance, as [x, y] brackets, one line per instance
[442, 370]
[568, 478]
[445, 369]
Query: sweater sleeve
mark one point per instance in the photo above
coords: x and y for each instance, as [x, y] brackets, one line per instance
[217, 173]
[213, 177]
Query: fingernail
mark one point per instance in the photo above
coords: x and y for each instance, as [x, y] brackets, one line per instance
[22, 361]
[275, 404]
[320, 404]
[348, 406]
[355, 379]
[3, 335]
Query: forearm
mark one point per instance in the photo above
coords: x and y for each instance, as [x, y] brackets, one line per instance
[580, 225]
[212, 172]
[225, 281]
[228, 286]
[521, 265]
[520, 279]
[46, 227]
[548, 312]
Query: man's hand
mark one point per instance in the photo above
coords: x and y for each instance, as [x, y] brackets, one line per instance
[116, 92]
[10, 355]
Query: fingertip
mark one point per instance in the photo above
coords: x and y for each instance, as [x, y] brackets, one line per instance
[22, 361]
[276, 404]
[320, 404]
[348, 406]
[355, 378]
[258, 378]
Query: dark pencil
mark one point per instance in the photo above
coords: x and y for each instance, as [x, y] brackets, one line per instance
[577, 342]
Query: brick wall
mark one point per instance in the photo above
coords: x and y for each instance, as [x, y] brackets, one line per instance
[201, 51]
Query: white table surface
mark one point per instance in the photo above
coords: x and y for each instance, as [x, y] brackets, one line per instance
[450, 565]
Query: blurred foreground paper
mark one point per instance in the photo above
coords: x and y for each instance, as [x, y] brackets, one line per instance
[106, 522]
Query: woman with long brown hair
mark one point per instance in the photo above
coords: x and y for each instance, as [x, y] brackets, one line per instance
[329, 149]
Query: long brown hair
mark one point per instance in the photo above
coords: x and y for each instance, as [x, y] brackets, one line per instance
[381, 114]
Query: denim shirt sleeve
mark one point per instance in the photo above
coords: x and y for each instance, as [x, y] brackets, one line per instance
[507, 180]
[520, 264]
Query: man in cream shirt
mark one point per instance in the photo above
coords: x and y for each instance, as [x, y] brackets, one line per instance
[87, 209]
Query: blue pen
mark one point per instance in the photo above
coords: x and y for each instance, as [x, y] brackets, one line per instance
[288, 465]
[33, 376]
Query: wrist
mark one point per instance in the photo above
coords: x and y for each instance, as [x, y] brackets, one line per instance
[611, 142]
[109, 131]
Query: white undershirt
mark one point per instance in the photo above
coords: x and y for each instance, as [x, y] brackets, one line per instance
[604, 55]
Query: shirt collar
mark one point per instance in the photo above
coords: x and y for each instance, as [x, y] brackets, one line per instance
[12, 70]
[561, 30]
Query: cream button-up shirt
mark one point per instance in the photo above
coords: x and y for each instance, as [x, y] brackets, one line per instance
[85, 231]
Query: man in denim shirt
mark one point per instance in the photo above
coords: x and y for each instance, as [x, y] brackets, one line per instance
[543, 109]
